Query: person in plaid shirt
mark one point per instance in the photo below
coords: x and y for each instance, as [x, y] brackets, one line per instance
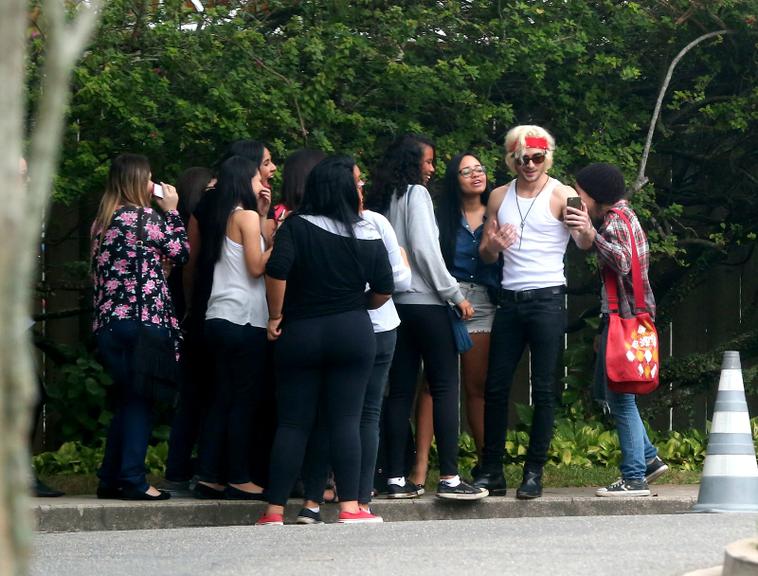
[601, 188]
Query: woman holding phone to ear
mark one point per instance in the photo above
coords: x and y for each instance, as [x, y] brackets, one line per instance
[124, 216]
[235, 331]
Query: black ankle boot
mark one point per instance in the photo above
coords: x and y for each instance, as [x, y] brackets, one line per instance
[531, 486]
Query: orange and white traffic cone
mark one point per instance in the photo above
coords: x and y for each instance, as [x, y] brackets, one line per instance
[730, 473]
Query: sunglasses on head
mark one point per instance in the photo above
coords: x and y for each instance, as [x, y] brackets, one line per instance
[536, 159]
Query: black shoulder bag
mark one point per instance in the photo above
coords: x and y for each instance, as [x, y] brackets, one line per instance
[157, 374]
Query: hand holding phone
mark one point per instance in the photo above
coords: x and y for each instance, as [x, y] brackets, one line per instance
[157, 190]
[574, 202]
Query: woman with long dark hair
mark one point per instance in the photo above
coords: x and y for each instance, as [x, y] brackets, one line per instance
[235, 331]
[198, 280]
[425, 331]
[123, 218]
[460, 215]
[297, 166]
[323, 258]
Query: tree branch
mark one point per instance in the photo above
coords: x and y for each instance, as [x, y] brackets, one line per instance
[641, 178]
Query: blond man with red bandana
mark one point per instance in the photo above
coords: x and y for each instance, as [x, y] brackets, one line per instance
[525, 228]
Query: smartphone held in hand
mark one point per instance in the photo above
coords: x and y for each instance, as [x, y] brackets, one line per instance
[157, 190]
[574, 202]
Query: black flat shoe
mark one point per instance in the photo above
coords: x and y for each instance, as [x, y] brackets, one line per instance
[531, 487]
[132, 493]
[232, 493]
[108, 492]
[491, 481]
[204, 492]
[42, 490]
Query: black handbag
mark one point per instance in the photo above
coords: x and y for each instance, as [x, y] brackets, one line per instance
[157, 373]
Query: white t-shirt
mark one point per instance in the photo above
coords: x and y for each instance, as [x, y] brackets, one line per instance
[385, 318]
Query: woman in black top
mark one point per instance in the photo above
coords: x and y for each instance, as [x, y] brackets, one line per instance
[323, 257]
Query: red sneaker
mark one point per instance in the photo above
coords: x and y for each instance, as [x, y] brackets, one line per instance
[270, 520]
[360, 517]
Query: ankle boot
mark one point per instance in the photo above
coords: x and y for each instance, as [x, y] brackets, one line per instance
[531, 486]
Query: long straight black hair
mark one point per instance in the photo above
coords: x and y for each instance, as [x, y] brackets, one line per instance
[250, 149]
[399, 168]
[330, 191]
[233, 188]
[450, 206]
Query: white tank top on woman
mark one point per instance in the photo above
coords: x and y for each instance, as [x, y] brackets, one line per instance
[236, 296]
[538, 261]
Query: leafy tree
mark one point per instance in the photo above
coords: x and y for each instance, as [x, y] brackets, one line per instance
[178, 85]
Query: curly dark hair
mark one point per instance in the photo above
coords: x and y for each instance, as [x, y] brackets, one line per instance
[399, 168]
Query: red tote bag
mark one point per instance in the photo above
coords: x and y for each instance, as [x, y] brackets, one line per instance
[631, 352]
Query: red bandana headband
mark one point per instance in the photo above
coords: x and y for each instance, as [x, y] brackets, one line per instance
[532, 142]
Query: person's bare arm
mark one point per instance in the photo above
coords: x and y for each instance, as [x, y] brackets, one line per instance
[496, 238]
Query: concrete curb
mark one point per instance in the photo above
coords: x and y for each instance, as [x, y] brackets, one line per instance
[86, 513]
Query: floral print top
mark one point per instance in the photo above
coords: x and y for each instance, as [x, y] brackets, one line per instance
[114, 263]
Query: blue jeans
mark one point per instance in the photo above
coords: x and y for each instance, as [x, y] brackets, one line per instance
[129, 433]
[636, 448]
[372, 411]
[540, 323]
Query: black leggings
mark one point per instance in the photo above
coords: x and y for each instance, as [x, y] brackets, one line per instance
[424, 332]
[321, 364]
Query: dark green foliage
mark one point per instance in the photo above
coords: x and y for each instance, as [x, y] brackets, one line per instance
[78, 394]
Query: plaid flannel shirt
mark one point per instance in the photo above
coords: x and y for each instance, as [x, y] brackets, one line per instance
[614, 250]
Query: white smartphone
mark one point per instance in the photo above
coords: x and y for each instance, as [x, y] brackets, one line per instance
[157, 190]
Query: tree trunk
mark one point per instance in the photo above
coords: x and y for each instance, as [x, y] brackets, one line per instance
[20, 222]
[15, 356]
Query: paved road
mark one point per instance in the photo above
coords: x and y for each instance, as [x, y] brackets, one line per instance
[567, 546]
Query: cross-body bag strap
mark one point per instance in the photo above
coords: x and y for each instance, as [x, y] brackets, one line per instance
[140, 259]
[610, 277]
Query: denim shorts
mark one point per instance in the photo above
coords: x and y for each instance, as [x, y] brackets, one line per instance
[484, 309]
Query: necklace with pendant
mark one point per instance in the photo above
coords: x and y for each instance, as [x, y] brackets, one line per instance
[521, 216]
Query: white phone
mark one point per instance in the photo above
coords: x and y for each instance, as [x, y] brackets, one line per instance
[157, 190]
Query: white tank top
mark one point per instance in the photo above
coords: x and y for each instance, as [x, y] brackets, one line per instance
[538, 261]
[236, 296]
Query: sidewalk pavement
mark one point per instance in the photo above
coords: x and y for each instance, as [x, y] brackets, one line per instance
[87, 513]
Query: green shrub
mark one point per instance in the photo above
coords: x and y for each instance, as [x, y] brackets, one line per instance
[78, 393]
[76, 458]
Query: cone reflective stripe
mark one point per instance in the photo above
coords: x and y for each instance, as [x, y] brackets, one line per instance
[730, 473]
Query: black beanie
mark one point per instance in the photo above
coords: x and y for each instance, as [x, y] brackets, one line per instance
[604, 183]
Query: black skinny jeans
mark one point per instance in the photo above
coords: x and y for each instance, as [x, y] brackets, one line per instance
[541, 324]
[324, 364]
[425, 332]
[240, 357]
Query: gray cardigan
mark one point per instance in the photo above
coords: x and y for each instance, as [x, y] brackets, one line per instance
[412, 217]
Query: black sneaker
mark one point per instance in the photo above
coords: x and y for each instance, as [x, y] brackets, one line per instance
[655, 469]
[306, 516]
[463, 491]
[395, 491]
[625, 488]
